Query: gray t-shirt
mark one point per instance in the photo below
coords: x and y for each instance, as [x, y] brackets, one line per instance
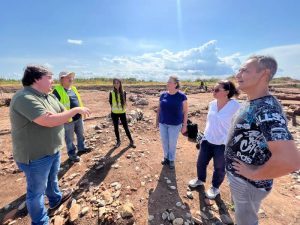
[30, 140]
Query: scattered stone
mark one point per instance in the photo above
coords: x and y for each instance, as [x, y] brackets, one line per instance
[12, 222]
[84, 182]
[106, 196]
[99, 167]
[7, 207]
[102, 211]
[226, 219]
[171, 216]
[173, 187]
[188, 215]
[116, 194]
[115, 166]
[150, 217]
[204, 216]
[141, 101]
[93, 200]
[261, 211]
[169, 181]
[178, 204]
[97, 127]
[164, 215]
[58, 220]
[84, 211]
[197, 220]
[74, 212]
[127, 210]
[133, 189]
[189, 194]
[178, 221]
[116, 185]
[22, 206]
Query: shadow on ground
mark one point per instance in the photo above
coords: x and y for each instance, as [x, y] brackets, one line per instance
[163, 198]
[212, 215]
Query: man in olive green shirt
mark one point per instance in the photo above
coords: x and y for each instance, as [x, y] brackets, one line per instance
[37, 119]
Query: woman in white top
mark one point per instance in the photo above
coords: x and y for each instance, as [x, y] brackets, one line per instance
[219, 118]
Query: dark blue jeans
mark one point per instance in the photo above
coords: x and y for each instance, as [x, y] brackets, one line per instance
[41, 177]
[206, 153]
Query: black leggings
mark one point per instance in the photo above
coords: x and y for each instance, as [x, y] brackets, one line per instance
[115, 118]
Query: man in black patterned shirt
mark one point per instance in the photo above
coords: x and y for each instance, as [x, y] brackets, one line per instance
[260, 146]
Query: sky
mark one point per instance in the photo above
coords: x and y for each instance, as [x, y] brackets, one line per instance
[147, 39]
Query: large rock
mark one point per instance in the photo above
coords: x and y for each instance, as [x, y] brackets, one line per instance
[74, 212]
[135, 115]
[5, 102]
[107, 197]
[84, 211]
[58, 220]
[141, 101]
[127, 210]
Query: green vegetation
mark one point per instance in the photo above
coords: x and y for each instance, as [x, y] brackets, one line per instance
[281, 80]
[102, 81]
[9, 82]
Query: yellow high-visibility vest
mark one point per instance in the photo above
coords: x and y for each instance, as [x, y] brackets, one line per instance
[65, 99]
[116, 108]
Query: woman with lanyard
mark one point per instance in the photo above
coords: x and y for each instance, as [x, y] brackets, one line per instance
[117, 101]
[219, 117]
[171, 118]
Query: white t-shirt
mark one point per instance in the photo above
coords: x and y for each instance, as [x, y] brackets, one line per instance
[218, 123]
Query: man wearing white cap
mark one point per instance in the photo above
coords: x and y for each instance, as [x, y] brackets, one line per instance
[68, 95]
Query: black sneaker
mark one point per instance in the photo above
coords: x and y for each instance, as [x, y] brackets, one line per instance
[65, 196]
[165, 161]
[74, 158]
[132, 145]
[118, 143]
[86, 149]
[171, 165]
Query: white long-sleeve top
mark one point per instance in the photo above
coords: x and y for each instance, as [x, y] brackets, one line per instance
[218, 122]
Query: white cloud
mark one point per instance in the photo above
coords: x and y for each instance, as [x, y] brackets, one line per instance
[287, 57]
[75, 42]
[188, 64]
[200, 62]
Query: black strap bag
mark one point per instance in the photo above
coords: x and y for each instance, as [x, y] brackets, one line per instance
[192, 129]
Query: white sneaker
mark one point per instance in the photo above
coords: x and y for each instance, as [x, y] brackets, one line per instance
[195, 183]
[212, 192]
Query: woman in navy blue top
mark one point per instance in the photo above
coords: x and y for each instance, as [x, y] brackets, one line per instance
[171, 119]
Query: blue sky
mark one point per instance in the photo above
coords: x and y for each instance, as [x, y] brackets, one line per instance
[147, 39]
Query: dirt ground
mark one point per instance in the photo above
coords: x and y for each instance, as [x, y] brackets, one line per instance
[142, 177]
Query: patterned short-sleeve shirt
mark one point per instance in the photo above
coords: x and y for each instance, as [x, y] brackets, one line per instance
[257, 122]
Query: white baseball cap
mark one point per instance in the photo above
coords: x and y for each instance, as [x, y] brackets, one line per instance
[65, 74]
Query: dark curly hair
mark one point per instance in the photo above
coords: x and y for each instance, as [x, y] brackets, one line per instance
[33, 73]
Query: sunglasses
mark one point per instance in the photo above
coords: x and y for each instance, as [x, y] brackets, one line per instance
[217, 90]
